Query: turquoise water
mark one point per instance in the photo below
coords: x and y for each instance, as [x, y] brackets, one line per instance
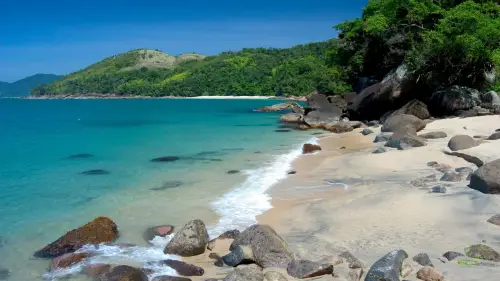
[45, 194]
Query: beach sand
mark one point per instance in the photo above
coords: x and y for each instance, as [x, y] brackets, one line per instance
[380, 210]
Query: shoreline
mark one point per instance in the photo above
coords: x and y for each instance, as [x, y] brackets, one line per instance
[127, 97]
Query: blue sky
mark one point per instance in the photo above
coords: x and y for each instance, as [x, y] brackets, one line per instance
[60, 37]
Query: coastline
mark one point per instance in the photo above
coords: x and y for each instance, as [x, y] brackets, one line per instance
[132, 97]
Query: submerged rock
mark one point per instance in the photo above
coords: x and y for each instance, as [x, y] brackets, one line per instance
[387, 268]
[165, 159]
[183, 268]
[167, 185]
[95, 172]
[159, 230]
[461, 142]
[231, 172]
[191, 240]
[100, 230]
[282, 131]
[80, 156]
[482, 252]
[310, 148]
[307, 269]
[67, 260]
[4, 274]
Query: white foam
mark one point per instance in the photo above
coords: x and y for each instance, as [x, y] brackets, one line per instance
[240, 207]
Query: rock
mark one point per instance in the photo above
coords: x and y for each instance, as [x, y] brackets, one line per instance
[100, 230]
[167, 185]
[404, 140]
[292, 172]
[494, 220]
[469, 158]
[387, 268]
[159, 230]
[230, 234]
[342, 147]
[96, 269]
[274, 276]
[191, 240]
[461, 142]
[338, 101]
[428, 273]
[291, 118]
[355, 274]
[95, 172]
[452, 99]
[452, 255]
[379, 150]
[80, 156]
[487, 178]
[473, 112]
[342, 127]
[280, 107]
[423, 181]
[432, 164]
[396, 122]
[494, 136]
[282, 131]
[237, 256]
[125, 273]
[320, 117]
[464, 170]
[4, 274]
[307, 269]
[490, 100]
[183, 268]
[482, 252]
[67, 260]
[373, 123]
[415, 108]
[381, 138]
[351, 260]
[443, 168]
[304, 127]
[165, 159]
[171, 278]
[310, 148]
[246, 273]
[366, 132]
[423, 259]
[219, 262]
[451, 176]
[479, 137]
[438, 189]
[434, 135]
[267, 248]
[231, 172]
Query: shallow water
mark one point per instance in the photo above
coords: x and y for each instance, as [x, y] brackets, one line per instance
[46, 145]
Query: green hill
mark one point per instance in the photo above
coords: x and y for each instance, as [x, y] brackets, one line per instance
[22, 87]
[291, 71]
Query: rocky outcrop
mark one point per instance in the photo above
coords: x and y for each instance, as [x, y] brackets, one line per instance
[398, 122]
[434, 135]
[191, 240]
[461, 142]
[310, 148]
[159, 230]
[100, 230]
[124, 273]
[265, 247]
[453, 99]
[487, 178]
[291, 118]
[67, 260]
[246, 273]
[280, 107]
[183, 268]
[307, 269]
[482, 252]
[387, 268]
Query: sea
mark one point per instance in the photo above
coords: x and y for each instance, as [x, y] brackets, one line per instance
[48, 147]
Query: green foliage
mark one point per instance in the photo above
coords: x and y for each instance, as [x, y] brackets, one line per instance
[294, 71]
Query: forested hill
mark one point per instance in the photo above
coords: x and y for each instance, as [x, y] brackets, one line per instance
[21, 88]
[292, 71]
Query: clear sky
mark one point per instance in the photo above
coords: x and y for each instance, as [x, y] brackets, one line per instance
[62, 36]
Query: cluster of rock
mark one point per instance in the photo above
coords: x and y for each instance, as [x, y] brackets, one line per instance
[256, 254]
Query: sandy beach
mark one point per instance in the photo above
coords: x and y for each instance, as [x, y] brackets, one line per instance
[379, 210]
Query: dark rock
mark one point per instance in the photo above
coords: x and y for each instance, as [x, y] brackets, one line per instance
[452, 255]
[415, 108]
[67, 260]
[219, 262]
[159, 230]
[396, 122]
[125, 273]
[342, 127]
[230, 172]
[482, 252]
[291, 118]
[366, 132]
[438, 189]
[282, 131]
[381, 138]
[405, 140]
[373, 123]
[247, 273]
[428, 273]
[4, 274]
[423, 181]
[432, 164]
[490, 100]
[479, 137]
[167, 185]
[95, 172]
[473, 112]
[487, 178]
[453, 99]
[280, 107]
[469, 158]
[323, 116]
[166, 159]
[387, 268]
[343, 147]
[230, 234]
[274, 276]
[171, 278]
[379, 150]
[96, 269]
[451, 176]
[307, 269]
[100, 230]
[464, 170]
[434, 135]
[461, 142]
[494, 136]
[310, 148]
[352, 261]
[292, 172]
[443, 168]
[494, 220]
[191, 240]
[267, 248]
[183, 268]
[338, 101]
[80, 156]
[237, 256]
[363, 83]
[423, 259]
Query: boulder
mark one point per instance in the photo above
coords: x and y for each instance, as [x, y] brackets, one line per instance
[67, 260]
[355, 274]
[423, 259]
[423, 181]
[382, 138]
[171, 278]
[363, 82]
[482, 252]
[124, 273]
[494, 136]
[291, 118]
[191, 240]
[342, 127]
[453, 99]
[494, 220]
[387, 268]
[450, 255]
[460, 142]
[307, 269]
[434, 135]
[95, 270]
[451, 176]
[238, 255]
[428, 273]
[310, 148]
[438, 189]
[487, 178]
[352, 261]
[219, 262]
[366, 132]
[490, 100]
[320, 117]
[265, 246]
[415, 108]
[183, 268]
[80, 156]
[100, 230]
[246, 273]
[159, 230]
[280, 107]
[379, 150]
[404, 140]
[397, 122]
[274, 276]
[230, 234]
[469, 158]
[338, 101]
